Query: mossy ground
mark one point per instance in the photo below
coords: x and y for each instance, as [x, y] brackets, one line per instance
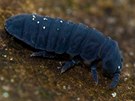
[36, 79]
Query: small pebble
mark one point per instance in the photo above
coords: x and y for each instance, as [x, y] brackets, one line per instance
[78, 99]
[60, 63]
[6, 88]
[41, 66]
[127, 74]
[29, 100]
[12, 80]
[129, 88]
[114, 94]
[131, 53]
[5, 94]
[1, 78]
[111, 20]
[68, 87]
[58, 67]
[36, 92]
[4, 56]
[125, 79]
[126, 65]
[11, 59]
[64, 87]
[58, 93]
[68, 11]
[6, 49]
[4, 45]
[80, 85]
[134, 64]
[40, 9]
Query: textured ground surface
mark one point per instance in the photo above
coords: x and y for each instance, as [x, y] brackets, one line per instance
[35, 79]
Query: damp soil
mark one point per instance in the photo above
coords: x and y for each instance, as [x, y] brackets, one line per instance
[23, 78]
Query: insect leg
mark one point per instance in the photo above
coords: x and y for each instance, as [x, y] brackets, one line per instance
[67, 65]
[94, 73]
[43, 54]
[115, 81]
[93, 68]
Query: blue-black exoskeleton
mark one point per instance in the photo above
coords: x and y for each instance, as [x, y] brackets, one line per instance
[54, 35]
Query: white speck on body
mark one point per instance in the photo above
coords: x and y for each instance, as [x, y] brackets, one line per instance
[45, 19]
[58, 29]
[61, 21]
[38, 22]
[33, 18]
[44, 27]
[114, 94]
[94, 28]
[118, 67]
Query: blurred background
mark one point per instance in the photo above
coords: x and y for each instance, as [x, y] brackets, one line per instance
[36, 79]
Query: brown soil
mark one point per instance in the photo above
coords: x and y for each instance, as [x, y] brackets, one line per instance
[36, 79]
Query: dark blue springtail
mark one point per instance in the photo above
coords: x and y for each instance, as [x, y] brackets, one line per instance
[53, 36]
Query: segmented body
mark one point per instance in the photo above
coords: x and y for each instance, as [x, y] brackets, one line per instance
[56, 35]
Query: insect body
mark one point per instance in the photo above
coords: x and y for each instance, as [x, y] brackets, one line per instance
[60, 36]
